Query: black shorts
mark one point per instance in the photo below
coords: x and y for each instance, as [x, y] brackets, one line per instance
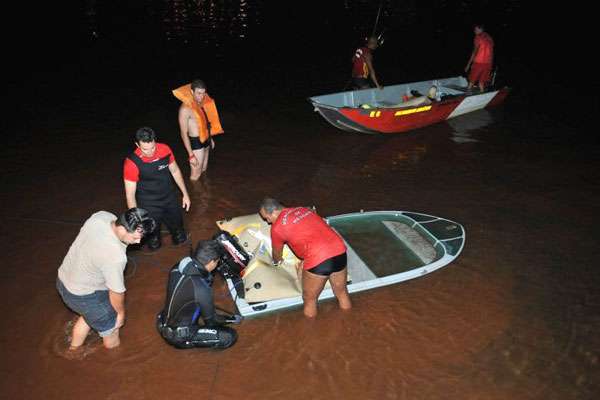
[361, 83]
[331, 265]
[197, 144]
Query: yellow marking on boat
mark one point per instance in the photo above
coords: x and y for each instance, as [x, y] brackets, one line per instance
[412, 111]
[242, 228]
[373, 114]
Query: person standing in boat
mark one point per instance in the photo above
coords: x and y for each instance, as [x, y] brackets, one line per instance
[148, 175]
[198, 123]
[362, 65]
[321, 249]
[481, 60]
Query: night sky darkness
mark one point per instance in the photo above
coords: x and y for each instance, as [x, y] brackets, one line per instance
[544, 51]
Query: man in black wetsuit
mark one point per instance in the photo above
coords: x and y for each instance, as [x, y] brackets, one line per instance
[189, 298]
[148, 174]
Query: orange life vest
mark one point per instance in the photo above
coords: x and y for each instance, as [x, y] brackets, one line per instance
[202, 112]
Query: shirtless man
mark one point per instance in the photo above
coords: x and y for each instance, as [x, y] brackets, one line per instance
[198, 123]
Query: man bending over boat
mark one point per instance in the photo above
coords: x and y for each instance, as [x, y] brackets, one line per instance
[362, 65]
[198, 123]
[321, 249]
[482, 57]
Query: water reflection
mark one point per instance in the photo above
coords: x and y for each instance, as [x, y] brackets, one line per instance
[202, 20]
[464, 127]
[91, 20]
[206, 20]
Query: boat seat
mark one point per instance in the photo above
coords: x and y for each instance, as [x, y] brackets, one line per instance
[413, 240]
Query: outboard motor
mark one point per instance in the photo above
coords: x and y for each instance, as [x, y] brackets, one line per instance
[233, 260]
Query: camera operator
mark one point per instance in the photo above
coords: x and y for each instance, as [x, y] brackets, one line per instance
[190, 297]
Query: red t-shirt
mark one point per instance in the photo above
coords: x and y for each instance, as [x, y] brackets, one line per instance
[307, 234]
[130, 170]
[485, 48]
[360, 68]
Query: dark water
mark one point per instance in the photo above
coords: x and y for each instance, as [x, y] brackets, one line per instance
[516, 316]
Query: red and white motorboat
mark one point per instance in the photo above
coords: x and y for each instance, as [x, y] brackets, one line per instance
[404, 107]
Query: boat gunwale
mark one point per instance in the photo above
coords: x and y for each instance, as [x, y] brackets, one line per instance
[452, 99]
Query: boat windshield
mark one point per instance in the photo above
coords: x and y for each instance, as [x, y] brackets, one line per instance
[387, 243]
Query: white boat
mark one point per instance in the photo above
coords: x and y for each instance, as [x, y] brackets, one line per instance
[383, 247]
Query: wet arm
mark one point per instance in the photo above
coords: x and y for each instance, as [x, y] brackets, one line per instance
[130, 189]
[184, 127]
[277, 254]
[372, 73]
[178, 178]
[475, 48]
[117, 300]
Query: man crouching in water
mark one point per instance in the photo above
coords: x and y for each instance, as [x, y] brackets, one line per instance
[321, 249]
[90, 278]
[190, 299]
[198, 123]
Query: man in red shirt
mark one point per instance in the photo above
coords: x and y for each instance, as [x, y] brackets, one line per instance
[481, 60]
[321, 249]
[362, 65]
[148, 174]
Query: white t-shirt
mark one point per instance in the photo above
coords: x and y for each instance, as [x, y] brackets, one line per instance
[96, 259]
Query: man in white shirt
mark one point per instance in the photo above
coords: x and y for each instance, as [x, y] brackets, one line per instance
[90, 278]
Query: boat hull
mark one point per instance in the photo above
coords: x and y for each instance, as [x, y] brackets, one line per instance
[376, 120]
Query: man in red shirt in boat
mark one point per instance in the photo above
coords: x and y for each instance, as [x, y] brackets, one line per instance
[321, 249]
[198, 123]
[362, 65]
[481, 60]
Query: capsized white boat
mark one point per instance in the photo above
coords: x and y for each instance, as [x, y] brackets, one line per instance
[384, 247]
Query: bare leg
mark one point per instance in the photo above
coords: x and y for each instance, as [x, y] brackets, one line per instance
[338, 285]
[481, 86]
[205, 161]
[196, 172]
[80, 332]
[111, 341]
[312, 286]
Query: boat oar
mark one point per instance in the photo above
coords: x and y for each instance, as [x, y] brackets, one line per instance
[377, 19]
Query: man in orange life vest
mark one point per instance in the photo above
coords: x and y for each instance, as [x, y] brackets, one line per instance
[481, 59]
[362, 65]
[198, 123]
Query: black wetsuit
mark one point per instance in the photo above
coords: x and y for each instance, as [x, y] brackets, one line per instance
[189, 299]
[155, 192]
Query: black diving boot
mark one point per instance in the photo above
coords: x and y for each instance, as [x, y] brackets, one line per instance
[180, 237]
[153, 242]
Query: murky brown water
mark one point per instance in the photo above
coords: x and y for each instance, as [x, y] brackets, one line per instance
[516, 316]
